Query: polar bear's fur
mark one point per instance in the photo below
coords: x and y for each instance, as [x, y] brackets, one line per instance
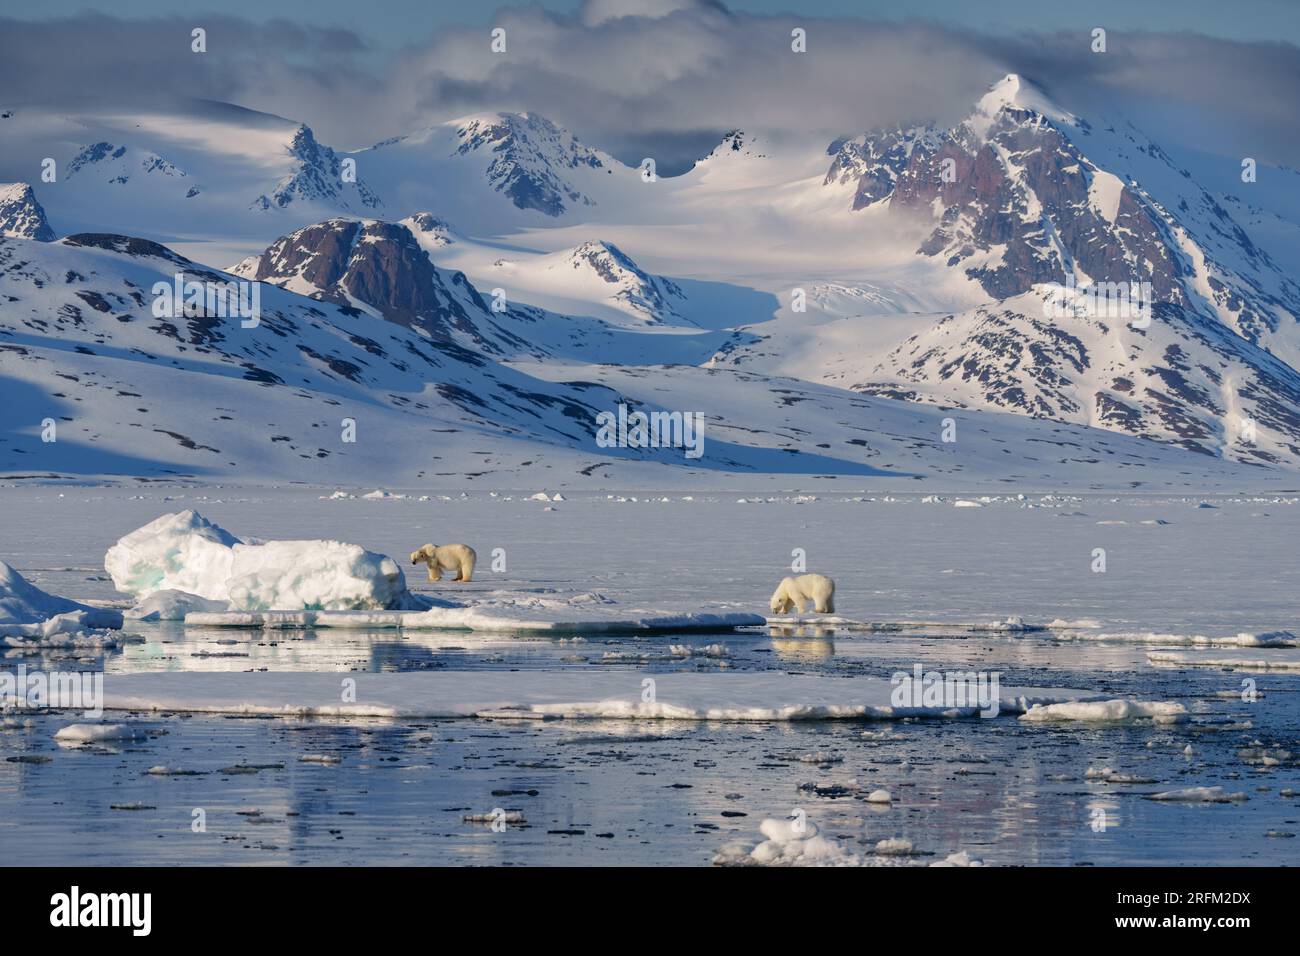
[816, 589]
[447, 557]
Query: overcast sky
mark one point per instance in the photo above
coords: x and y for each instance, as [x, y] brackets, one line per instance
[666, 77]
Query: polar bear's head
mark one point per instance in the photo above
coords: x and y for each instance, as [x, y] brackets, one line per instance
[424, 554]
[780, 603]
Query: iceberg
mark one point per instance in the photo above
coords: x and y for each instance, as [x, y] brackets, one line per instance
[185, 552]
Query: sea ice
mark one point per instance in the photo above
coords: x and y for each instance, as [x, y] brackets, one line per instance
[1199, 795]
[186, 552]
[30, 615]
[172, 605]
[1162, 712]
[1278, 660]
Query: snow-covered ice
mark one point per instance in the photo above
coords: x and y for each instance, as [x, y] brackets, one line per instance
[578, 614]
[186, 552]
[1107, 711]
[172, 605]
[28, 615]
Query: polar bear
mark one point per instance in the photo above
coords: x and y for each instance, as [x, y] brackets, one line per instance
[447, 557]
[816, 589]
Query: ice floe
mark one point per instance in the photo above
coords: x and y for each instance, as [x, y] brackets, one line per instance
[172, 605]
[186, 552]
[1272, 660]
[793, 842]
[78, 735]
[720, 695]
[502, 617]
[1199, 795]
[30, 616]
[1109, 711]
[1240, 639]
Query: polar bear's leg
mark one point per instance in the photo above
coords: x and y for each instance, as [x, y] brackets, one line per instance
[826, 605]
[435, 570]
[467, 568]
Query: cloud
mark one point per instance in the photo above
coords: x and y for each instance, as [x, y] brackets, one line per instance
[665, 77]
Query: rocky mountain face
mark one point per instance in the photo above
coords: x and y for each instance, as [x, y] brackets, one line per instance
[21, 216]
[531, 158]
[370, 264]
[317, 177]
[1189, 338]
[136, 389]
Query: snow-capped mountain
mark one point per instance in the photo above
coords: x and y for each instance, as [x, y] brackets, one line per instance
[117, 165]
[917, 264]
[1038, 206]
[379, 267]
[519, 162]
[21, 216]
[1024, 193]
[598, 274]
[317, 176]
[316, 392]
[130, 391]
[213, 180]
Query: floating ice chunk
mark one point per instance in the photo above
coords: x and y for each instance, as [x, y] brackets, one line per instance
[966, 503]
[880, 796]
[708, 650]
[27, 611]
[961, 858]
[895, 846]
[515, 817]
[186, 552]
[320, 758]
[790, 842]
[171, 605]
[1199, 795]
[1108, 711]
[77, 735]
[540, 496]
[819, 757]
[182, 551]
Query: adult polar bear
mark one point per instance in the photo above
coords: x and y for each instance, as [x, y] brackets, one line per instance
[815, 589]
[447, 557]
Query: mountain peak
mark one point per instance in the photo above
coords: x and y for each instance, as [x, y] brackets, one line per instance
[21, 215]
[1013, 93]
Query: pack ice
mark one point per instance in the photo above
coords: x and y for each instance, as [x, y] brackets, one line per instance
[28, 612]
[188, 553]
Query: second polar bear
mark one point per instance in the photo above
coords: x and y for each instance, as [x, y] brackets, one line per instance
[447, 557]
[816, 589]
